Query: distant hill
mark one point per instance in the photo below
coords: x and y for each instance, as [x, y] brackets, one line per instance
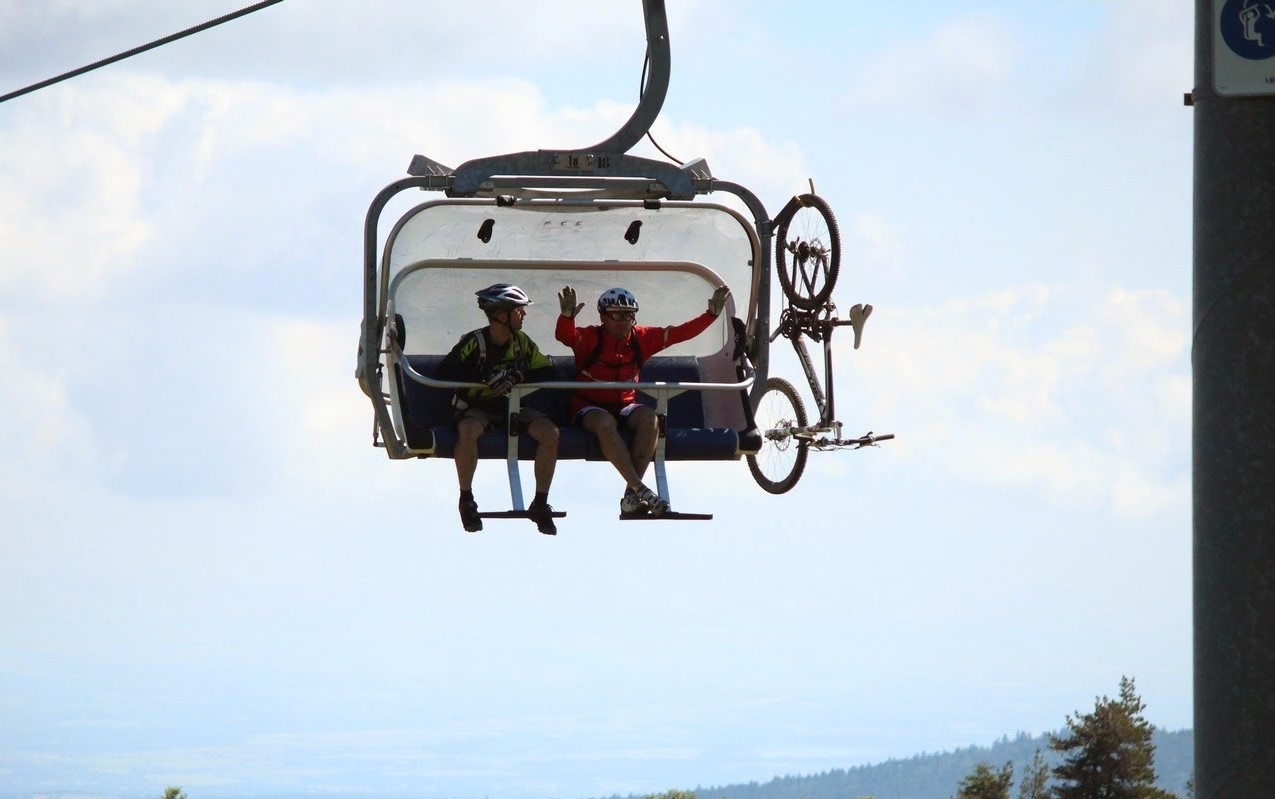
[936, 776]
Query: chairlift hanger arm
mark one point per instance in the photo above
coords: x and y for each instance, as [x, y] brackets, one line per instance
[607, 159]
[652, 99]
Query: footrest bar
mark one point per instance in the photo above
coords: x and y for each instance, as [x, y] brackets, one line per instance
[671, 515]
[515, 514]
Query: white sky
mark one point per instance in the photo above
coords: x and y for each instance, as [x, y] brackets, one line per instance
[209, 578]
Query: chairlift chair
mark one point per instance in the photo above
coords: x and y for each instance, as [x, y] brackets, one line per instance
[592, 218]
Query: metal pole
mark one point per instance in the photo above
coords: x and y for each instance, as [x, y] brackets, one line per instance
[1233, 427]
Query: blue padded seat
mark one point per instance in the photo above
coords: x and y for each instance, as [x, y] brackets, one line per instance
[427, 417]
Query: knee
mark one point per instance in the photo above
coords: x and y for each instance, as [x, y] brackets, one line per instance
[644, 420]
[469, 429]
[601, 423]
[545, 432]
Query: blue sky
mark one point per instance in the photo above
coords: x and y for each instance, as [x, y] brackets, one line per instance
[210, 578]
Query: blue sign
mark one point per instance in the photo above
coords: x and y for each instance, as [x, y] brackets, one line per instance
[1248, 28]
[1244, 47]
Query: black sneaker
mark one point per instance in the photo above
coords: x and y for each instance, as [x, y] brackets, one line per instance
[542, 515]
[469, 516]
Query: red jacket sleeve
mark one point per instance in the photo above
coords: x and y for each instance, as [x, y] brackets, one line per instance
[654, 339]
[576, 338]
[565, 331]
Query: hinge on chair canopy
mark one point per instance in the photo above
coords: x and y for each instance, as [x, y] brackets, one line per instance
[422, 166]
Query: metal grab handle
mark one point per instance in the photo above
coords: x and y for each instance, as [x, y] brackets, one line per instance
[573, 385]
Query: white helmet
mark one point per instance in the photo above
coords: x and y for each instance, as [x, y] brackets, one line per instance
[622, 299]
[502, 297]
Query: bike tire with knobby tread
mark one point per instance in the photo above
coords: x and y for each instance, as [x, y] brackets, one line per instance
[808, 297]
[778, 400]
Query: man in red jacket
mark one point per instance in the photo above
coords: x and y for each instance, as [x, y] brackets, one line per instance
[613, 352]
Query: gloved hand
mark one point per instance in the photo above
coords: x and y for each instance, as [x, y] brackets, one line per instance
[502, 381]
[567, 301]
[718, 301]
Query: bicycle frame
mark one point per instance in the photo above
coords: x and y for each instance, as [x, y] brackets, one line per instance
[796, 324]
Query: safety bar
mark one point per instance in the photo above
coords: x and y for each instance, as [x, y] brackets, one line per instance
[574, 385]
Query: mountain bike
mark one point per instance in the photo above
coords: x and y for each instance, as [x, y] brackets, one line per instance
[808, 261]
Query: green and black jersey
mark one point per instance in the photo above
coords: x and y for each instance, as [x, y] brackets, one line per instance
[475, 357]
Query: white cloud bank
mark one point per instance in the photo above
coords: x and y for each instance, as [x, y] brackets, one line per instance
[1040, 389]
[155, 223]
[1031, 387]
[957, 64]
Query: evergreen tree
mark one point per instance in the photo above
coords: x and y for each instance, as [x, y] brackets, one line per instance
[1035, 778]
[1108, 754]
[984, 782]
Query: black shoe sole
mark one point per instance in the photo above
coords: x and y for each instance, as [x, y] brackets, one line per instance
[544, 525]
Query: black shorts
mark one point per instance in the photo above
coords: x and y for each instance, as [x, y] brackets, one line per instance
[491, 419]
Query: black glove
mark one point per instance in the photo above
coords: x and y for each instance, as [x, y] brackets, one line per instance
[502, 381]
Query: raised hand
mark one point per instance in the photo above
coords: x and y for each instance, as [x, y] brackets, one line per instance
[718, 301]
[567, 301]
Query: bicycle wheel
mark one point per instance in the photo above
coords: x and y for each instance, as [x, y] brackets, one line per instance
[778, 465]
[807, 251]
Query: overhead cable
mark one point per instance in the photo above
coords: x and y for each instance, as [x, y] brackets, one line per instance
[143, 48]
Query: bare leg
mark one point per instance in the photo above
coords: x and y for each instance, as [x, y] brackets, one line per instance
[645, 424]
[468, 429]
[545, 432]
[602, 425]
[466, 455]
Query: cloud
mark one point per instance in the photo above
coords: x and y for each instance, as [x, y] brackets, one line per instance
[1144, 55]
[959, 64]
[322, 42]
[1038, 389]
[1115, 56]
[79, 186]
[206, 236]
[198, 526]
[147, 177]
[772, 170]
[873, 244]
[48, 440]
